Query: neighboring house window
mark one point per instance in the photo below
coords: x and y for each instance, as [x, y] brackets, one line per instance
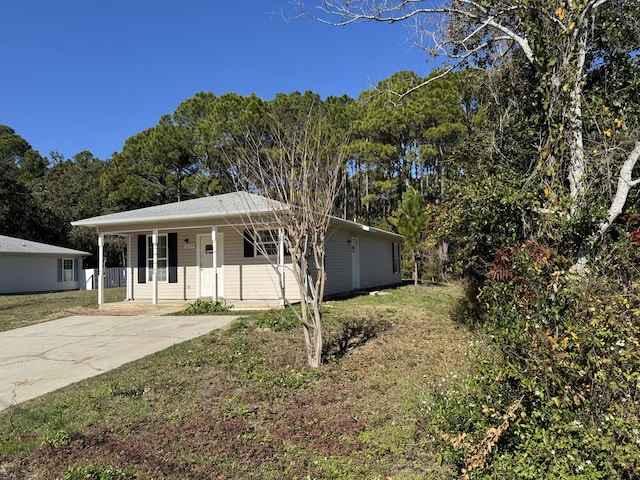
[162, 258]
[67, 270]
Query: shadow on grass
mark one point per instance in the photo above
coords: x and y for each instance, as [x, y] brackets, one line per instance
[352, 335]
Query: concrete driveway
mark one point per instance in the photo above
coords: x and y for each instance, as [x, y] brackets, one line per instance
[41, 358]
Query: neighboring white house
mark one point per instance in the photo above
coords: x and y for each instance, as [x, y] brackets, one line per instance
[207, 248]
[27, 266]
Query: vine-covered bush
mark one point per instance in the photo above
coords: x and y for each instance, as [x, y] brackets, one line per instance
[560, 398]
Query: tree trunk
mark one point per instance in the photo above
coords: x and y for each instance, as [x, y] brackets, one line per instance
[577, 166]
[625, 184]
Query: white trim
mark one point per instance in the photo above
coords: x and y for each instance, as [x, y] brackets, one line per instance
[129, 270]
[214, 269]
[101, 269]
[154, 275]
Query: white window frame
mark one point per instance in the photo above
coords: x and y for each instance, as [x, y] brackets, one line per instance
[163, 271]
[265, 241]
[68, 274]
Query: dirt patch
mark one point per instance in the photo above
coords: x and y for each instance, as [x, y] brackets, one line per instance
[68, 312]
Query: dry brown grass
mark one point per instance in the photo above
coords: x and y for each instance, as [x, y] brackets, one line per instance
[241, 403]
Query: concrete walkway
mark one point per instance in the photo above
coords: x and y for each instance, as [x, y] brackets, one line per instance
[41, 358]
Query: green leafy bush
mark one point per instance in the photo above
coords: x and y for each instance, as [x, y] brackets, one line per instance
[207, 306]
[59, 438]
[97, 472]
[559, 398]
[278, 320]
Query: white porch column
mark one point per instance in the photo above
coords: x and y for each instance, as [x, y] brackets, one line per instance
[214, 242]
[281, 264]
[154, 270]
[129, 270]
[100, 268]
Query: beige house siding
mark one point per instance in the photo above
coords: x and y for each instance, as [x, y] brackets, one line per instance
[253, 278]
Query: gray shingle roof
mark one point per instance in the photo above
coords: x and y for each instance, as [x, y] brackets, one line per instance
[17, 245]
[219, 206]
[228, 204]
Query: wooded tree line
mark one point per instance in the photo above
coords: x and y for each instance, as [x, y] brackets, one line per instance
[393, 141]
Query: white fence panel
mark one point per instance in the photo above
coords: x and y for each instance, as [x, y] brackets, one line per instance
[113, 277]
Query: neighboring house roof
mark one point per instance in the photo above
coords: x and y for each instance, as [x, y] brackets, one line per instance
[17, 245]
[218, 206]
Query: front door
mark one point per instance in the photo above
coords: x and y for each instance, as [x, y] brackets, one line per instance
[209, 278]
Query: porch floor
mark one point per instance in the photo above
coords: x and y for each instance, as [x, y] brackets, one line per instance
[135, 307]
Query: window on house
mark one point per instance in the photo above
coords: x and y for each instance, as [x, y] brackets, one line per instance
[266, 242]
[396, 254]
[162, 258]
[67, 270]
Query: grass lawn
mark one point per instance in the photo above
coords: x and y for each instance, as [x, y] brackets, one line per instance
[241, 403]
[21, 310]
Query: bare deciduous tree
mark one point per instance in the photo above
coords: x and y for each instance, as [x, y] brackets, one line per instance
[297, 165]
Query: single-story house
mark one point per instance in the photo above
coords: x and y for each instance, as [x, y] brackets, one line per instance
[27, 267]
[213, 247]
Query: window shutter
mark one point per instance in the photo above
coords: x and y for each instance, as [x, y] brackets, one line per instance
[172, 245]
[248, 244]
[76, 269]
[142, 259]
[59, 270]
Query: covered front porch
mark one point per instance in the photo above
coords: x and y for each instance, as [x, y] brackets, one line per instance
[173, 265]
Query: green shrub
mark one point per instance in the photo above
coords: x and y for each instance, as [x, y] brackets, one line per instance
[97, 472]
[278, 320]
[238, 325]
[207, 306]
[56, 439]
[559, 398]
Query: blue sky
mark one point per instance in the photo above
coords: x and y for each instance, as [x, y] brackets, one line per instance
[88, 74]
